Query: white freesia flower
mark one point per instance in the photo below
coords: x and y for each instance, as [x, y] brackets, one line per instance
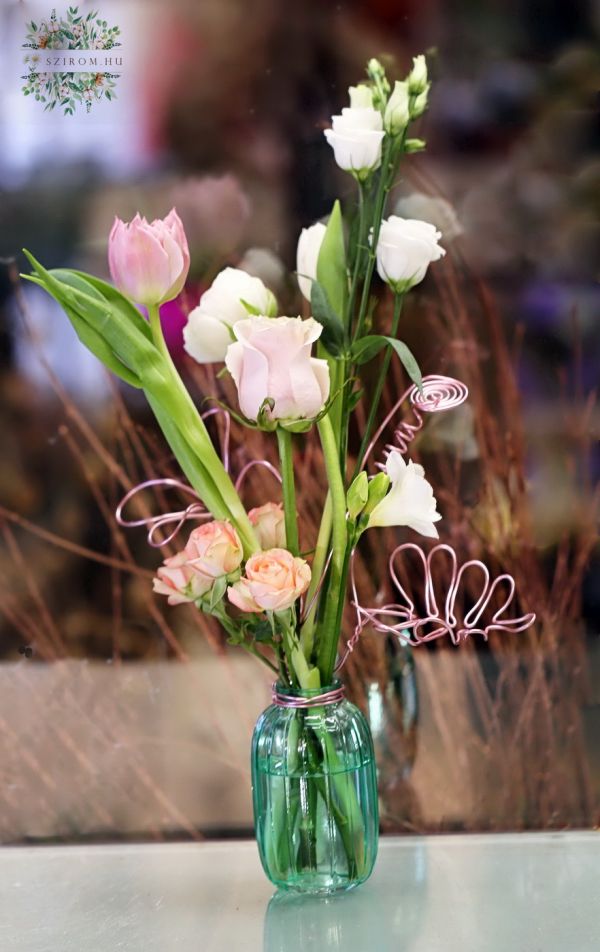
[405, 249]
[208, 332]
[271, 359]
[410, 500]
[307, 256]
[356, 137]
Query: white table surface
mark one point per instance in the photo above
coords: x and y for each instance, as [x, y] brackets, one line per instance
[529, 892]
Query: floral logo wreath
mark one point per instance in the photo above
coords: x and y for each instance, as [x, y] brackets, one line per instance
[68, 90]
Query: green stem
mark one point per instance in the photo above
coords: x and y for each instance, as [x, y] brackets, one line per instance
[307, 634]
[177, 404]
[375, 399]
[284, 443]
[329, 633]
[385, 177]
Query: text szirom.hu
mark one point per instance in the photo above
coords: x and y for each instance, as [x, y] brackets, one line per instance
[77, 61]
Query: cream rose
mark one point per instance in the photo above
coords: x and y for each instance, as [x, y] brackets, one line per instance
[269, 525]
[307, 256]
[180, 581]
[410, 500]
[214, 549]
[273, 581]
[208, 332]
[272, 359]
[405, 249]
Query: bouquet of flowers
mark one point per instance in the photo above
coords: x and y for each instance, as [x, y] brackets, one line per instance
[314, 781]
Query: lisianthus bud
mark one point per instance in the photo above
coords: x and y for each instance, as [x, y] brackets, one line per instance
[419, 104]
[397, 116]
[361, 97]
[149, 262]
[417, 78]
[271, 360]
[307, 256]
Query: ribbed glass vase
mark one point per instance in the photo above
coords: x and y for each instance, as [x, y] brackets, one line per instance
[314, 790]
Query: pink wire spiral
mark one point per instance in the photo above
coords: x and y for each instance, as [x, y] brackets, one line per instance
[438, 393]
[196, 510]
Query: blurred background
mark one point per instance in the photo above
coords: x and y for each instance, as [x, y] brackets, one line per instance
[121, 719]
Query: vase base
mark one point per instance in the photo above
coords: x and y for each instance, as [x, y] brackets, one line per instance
[319, 885]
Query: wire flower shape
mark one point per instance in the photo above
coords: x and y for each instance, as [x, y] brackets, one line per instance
[440, 601]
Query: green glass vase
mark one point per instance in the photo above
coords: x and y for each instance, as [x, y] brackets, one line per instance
[314, 788]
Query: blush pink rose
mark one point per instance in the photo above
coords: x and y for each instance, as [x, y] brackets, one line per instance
[149, 262]
[273, 581]
[272, 359]
[214, 549]
[269, 525]
[177, 579]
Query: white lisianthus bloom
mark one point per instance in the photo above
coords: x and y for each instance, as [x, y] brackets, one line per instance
[271, 359]
[410, 500]
[405, 249]
[209, 329]
[356, 137]
[307, 256]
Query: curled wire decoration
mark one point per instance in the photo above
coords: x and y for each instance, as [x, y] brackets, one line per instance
[438, 393]
[196, 510]
[440, 611]
[257, 462]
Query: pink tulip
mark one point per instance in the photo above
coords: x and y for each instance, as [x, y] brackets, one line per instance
[273, 581]
[272, 358]
[149, 262]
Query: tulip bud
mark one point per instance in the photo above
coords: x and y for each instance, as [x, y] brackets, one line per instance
[396, 116]
[361, 97]
[358, 495]
[417, 78]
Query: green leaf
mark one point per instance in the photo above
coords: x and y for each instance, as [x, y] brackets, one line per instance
[216, 593]
[95, 343]
[254, 311]
[110, 293]
[332, 336]
[367, 347]
[332, 273]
